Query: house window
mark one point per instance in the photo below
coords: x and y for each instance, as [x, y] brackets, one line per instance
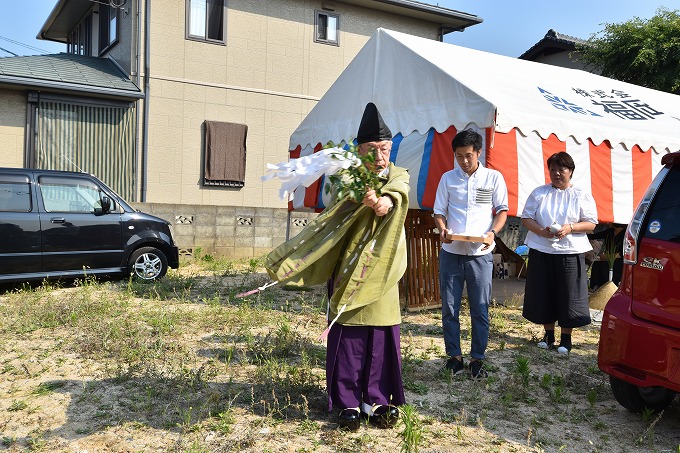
[72, 43]
[205, 20]
[108, 27]
[326, 27]
[83, 135]
[80, 39]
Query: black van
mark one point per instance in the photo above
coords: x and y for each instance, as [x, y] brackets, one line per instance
[64, 224]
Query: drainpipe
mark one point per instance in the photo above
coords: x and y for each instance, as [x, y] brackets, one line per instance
[137, 79]
[145, 120]
[137, 43]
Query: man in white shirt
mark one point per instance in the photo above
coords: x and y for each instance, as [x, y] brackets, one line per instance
[471, 200]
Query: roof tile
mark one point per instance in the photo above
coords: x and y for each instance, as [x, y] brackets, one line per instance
[77, 70]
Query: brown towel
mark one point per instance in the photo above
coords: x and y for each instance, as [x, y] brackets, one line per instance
[225, 153]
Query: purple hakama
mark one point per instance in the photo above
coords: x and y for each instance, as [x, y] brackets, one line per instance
[363, 365]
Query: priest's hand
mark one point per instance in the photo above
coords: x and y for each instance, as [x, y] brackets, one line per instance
[370, 199]
[380, 205]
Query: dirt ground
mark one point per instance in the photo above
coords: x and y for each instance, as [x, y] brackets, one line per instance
[56, 397]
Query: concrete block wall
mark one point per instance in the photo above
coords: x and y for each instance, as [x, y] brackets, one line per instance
[227, 231]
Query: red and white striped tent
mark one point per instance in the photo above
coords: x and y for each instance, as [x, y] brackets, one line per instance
[426, 90]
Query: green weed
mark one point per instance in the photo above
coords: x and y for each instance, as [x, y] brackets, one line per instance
[522, 368]
[412, 429]
[46, 388]
[17, 406]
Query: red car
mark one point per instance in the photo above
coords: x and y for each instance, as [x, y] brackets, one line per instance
[640, 334]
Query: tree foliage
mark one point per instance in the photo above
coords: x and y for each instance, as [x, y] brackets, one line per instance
[643, 52]
[357, 179]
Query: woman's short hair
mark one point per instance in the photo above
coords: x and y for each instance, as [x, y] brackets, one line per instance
[562, 159]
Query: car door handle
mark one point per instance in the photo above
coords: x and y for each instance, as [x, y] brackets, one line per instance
[57, 220]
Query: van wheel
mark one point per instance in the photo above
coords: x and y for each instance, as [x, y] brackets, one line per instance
[636, 399]
[148, 264]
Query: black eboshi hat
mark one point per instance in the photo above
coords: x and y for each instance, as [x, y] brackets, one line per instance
[372, 127]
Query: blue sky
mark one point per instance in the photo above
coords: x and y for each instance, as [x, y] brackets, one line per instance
[510, 27]
[21, 21]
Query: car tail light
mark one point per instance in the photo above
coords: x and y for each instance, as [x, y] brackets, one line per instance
[631, 239]
[630, 248]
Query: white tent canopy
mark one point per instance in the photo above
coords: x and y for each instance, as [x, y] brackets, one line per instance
[419, 84]
[427, 90]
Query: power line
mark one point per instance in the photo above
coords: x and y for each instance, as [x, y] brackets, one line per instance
[24, 45]
[8, 51]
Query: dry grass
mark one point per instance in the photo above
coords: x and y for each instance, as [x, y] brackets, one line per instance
[184, 366]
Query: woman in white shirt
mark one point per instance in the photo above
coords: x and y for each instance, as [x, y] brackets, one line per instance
[558, 217]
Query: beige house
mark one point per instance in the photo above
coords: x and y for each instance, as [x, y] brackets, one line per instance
[217, 88]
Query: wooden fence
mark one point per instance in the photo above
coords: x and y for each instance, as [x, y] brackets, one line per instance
[420, 285]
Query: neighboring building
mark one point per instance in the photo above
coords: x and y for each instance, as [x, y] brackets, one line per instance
[556, 49]
[221, 86]
[69, 112]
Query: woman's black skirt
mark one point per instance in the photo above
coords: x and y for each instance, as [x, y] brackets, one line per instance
[556, 289]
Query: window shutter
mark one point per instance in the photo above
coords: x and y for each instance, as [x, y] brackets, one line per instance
[225, 154]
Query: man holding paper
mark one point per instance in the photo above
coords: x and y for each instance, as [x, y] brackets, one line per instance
[471, 200]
